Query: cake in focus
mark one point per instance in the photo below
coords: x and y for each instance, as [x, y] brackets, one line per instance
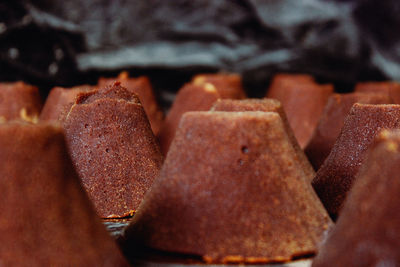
[231, 190]
[367, 232]
[142, 87]
[267, 105]
[303, 101]
[331, 122]
[59, 102]
[113, 149]
[19, 100]
[46, 217]
[336, 176]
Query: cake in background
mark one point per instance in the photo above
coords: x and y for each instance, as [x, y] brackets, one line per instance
[331, 122]
[303, 101]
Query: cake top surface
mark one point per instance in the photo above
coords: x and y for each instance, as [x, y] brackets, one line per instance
[113, 91]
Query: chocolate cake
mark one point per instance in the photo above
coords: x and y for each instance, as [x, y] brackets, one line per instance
[113, 149]
[367, 232]
[288, 79]
[228, 85]
[303, 101]
[231, 190]
[19, 100]
[46, 217]
[335, 177]
[189, 98]
[142, 87]
[267, 105]
[391, 88]
[331, 122]
[60, 101]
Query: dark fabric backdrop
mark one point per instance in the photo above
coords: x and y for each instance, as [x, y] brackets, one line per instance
[48, 42]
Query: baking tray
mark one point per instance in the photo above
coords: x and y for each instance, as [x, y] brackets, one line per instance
[152, 259]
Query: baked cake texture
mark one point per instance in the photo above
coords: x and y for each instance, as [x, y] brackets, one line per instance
[367, 232]
[231, 190]
[59, 102]
[19, 100]
[331, 122]
[142, 87]
[46, 216]
[228, 85]
[267, 105]
[199, 95]
[389, 87]
[303, 101]
[113, 149]
[336, 176]
[189, 98]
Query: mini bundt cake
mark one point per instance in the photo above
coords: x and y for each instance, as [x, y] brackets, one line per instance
[267, 105]
[228, 85]
[19, 100]
[113, 149]
[60, 101]
[335, 177]
[230, 190]
[303, 101]
[331, 122]
[367, 232]
[142, 87]
[46, 216]
[391, 88]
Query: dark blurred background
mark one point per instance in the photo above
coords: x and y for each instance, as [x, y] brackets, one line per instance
[48, 42]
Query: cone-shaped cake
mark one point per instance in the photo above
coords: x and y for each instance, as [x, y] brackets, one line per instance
[267, 105]
[367, 232]
[142, 87]
[60, 101]
[189, 98]
[390, 88]
[46, 217]
[303, 101]
[113, 149]
[228, 85]
[231, 190]
[19, 101]
[331, 122]
[335, 177]
[288, 79]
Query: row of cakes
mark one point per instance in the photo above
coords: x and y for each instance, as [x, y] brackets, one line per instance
[235, 185]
